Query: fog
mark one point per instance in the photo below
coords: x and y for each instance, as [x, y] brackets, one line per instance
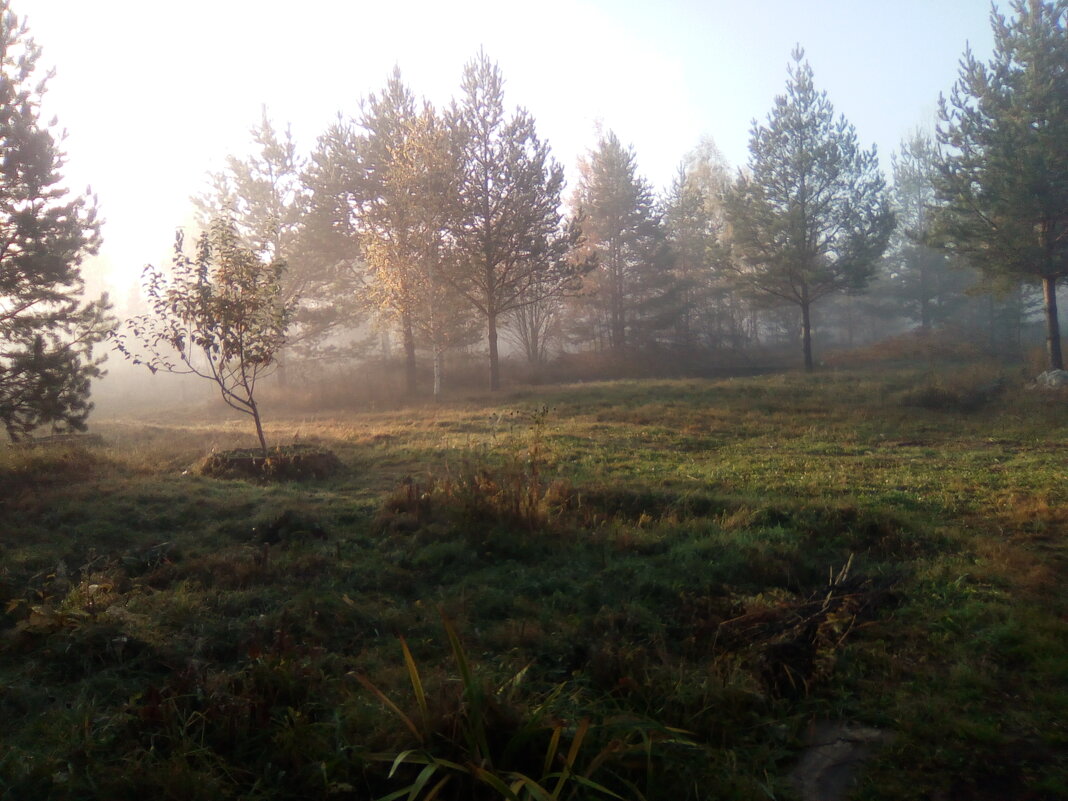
[170, 141]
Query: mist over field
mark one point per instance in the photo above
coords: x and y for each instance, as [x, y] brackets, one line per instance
[431, 449]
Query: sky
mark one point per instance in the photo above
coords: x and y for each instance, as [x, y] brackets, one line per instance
[154, 95]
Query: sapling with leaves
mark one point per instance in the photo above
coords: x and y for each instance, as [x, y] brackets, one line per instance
[219, 315]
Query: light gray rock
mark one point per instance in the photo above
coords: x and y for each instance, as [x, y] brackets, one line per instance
[835, 752]
[1053, 379]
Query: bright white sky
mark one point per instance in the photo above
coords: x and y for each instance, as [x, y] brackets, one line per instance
[155, 94]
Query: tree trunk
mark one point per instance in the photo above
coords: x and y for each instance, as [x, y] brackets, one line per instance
[991, 324]
[259, 426]
[532, 343]
[439, 370]
[409, 358]
[1053, 326]
[806, 334]
[495, 368]
[280, 359]
[618, 332]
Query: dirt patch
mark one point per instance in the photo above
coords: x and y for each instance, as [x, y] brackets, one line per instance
[834, 753]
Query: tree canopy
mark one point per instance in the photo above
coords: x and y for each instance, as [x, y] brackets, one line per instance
[623, 231]
[218, 315]
[46, 333]
[811, 215]
[1003, 173]
[509, 244]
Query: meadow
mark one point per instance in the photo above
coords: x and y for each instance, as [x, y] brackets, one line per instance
[634, 589]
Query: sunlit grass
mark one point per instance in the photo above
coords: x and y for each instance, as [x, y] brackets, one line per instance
[643, 549]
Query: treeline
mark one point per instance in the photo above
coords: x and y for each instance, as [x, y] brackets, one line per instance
[446, 230]
[441, 230]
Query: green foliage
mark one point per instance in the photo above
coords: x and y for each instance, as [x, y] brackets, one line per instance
[267, 198]
[710, 313]
[616, 210]
[510, 248]
[46, 334]
[516, 754]
[930, 285]
[812, 216]
[219, 315]
[409, 176]
[1003, 175]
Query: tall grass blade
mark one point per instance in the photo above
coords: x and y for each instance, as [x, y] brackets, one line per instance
[421, 780]
[576, 744]
[532, 787]
[417, 686]
[399, 760]
[475, 730]
[600, 788]
[550, 752]
[367, 684]
[495, 782]
[437, 788]
[459, 655]
[572, 755]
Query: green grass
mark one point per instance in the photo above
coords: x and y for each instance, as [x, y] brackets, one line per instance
[636, 578]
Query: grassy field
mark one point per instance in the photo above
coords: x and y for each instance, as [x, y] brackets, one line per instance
[630, 589]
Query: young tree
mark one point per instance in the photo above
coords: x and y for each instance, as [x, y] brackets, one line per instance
[379, 186]
[1003, 176]
[220, 312]
[506, 234]
[262, 194]
[46, 333]
[623, 231]
[385, 213]
[811, 215]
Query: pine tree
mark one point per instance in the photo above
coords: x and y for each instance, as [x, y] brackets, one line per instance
[1003, 178]
[380, 187]
[406, 245]
[623, 230]
[711, 314]
[811, 216]
[510, 248]
[385, 216]
[265, 197]
[330, 234]
[46, 333]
